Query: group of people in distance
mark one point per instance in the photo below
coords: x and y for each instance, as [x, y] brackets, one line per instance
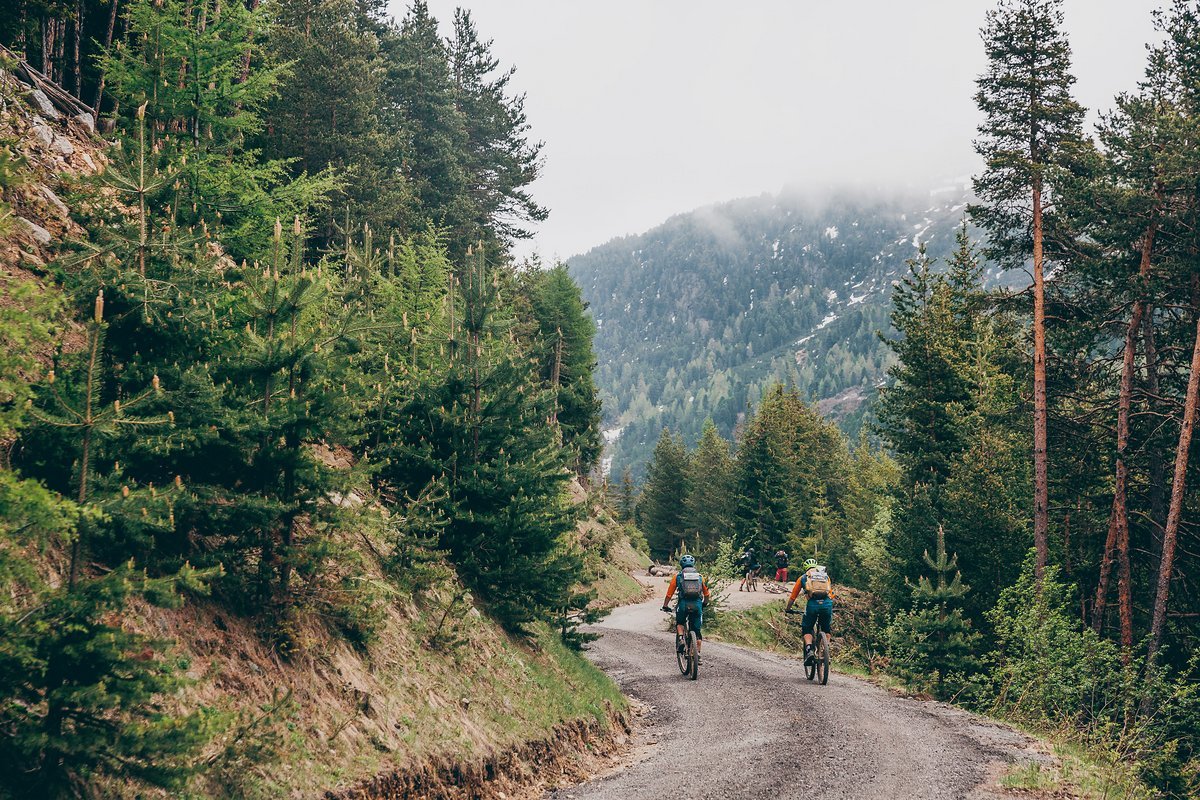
[694, 592]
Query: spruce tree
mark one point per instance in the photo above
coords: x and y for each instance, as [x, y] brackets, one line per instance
[626, 496]
[932, 645]
[709, 508]
[563, 346]
[1031, 133]
[660, 507]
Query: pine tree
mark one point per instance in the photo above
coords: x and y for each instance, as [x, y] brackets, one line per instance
[421, 99]
[563, 346]
[499, 161]
[1032, 131]
[709, 508]
[626, 496]
[933, 645]
[660, 507]
[85, 698]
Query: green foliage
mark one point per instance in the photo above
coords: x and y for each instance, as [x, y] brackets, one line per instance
[1046, 668]
[932, 645]
[85, 697]
[562, 344]
[660, 507]
[709, 505]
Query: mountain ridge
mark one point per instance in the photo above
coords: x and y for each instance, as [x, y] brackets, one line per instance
[698, 314]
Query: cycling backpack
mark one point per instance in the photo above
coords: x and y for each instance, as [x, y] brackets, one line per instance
[818, 585]
[691, 585]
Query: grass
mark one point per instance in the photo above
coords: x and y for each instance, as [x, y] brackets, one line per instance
[1077, 772]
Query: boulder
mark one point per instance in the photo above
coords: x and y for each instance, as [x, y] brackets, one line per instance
[63, 146]
[43, 134]
[37, 232]
[87, 121]
[38, 99]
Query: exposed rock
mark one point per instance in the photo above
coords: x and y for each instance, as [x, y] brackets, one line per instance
[42, 103]
[87, 121]
[54, 200]
[39, 234]
[63, 145]
[43, 134]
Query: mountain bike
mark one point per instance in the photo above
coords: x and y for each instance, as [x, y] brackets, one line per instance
[687, 650]
[750, 581]
[818, 668]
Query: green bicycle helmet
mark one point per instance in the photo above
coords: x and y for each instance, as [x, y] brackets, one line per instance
[809, 563]
[687, 561]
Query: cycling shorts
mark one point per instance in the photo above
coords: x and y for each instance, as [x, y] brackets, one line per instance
[693, 609]
[817, 611]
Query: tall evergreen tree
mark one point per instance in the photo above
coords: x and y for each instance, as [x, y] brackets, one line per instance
[660, 507]
[1031, 131]
[709, 508]
[563, 346]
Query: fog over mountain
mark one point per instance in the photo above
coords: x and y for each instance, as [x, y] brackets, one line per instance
[698, 314]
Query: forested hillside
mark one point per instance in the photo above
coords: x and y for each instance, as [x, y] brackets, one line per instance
[1025, 533]
[699, 315]
[265, 351]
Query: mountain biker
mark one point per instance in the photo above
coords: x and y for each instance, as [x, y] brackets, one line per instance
[781, 562]
[749, 564]
[819, 602]
[689, 605]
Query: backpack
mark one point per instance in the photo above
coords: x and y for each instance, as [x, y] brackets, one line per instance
[818, 586]
[691, 585]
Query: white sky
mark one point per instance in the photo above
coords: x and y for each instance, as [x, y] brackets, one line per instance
[653, 107]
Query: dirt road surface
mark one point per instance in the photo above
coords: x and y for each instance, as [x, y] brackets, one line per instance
[753, 727]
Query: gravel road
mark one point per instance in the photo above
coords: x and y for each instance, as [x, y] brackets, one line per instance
[753, 727]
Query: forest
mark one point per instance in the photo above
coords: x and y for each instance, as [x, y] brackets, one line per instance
[289, 351]
[1021, 506]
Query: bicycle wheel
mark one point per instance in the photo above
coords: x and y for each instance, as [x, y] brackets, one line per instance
[822, 658]
[681, 655]
[693, 656]
[810, 669]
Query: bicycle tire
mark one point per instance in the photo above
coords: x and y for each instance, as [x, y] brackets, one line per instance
[693, 655]
[822, 661]
[681, 655]
[810, 670]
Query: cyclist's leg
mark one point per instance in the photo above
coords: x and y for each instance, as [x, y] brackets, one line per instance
[809, 623]
[681, 618]
[697, 624]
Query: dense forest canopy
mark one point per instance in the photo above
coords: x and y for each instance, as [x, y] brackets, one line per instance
[291, 286]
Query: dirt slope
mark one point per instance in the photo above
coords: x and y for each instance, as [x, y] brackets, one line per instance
[753, 727]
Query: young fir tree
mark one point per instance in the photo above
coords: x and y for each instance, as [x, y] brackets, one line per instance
[627, 496]
[474, 426]
[84, 698]
[1030, 134]
[660, 507]
[709, 508]
[563, 346]
[932, 645]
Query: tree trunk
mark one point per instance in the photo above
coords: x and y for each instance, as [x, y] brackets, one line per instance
[1158, 465]
[1167, 564]
[1041, 485]
[246, 58]
[108, 37]
[1118, 521]
[76, 69]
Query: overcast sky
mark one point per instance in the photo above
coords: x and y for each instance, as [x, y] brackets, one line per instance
[653, 107]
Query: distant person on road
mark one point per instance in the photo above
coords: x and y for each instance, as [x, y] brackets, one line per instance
[781, 562]
[818, 609]
[749, 566]
[693, 594]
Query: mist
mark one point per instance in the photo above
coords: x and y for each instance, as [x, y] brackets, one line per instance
[648, 109]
